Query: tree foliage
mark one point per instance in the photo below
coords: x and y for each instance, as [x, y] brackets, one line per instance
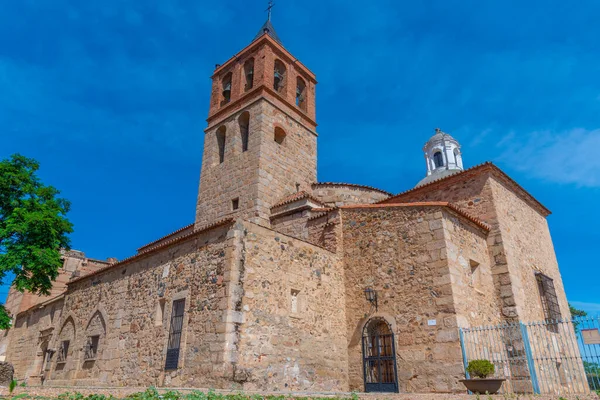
[33, 227]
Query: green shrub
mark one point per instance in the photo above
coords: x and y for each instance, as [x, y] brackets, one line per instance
[481, 368]
[12, 385]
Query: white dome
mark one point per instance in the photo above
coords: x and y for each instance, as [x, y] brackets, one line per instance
[443, 157]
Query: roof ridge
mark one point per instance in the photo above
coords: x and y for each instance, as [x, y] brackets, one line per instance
[353, 185]
[153, 249]
[166, 236]
[303, 194]
[487, 164]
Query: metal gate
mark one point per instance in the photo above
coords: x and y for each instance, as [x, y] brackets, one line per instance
[379, 357]
[549, 357]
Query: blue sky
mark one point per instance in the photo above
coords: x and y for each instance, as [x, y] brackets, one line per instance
[112, 96]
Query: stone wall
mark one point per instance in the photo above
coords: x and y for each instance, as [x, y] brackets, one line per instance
[293, 334]
[30, 336]
[343, 194]
[261, 176]
[401, 252]
[129, 306]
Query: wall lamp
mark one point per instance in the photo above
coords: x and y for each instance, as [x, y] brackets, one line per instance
[371, 296]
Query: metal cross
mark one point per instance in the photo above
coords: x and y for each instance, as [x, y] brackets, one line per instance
[269, 9]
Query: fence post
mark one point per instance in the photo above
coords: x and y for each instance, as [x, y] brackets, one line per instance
[464, 352]
[530, 364]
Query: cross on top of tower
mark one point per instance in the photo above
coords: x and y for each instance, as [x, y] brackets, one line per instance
[271, 5]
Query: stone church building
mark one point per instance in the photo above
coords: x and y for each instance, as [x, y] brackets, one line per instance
[283, 282]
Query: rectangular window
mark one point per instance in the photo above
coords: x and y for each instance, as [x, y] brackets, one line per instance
[91, 347]
[175, 335]
[549, 300]
[235, 203]
[63, 351]
[475, 275]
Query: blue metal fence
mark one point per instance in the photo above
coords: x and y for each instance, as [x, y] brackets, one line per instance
[557, 357]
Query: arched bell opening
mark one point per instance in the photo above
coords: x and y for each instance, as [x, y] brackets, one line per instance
[379, 357]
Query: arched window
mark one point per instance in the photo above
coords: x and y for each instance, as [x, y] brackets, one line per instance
[221, 133]
[244, 121]
[438, 159]
[95, 332]
[226, 86]
[301, 93]
[279, 76]
[249, 73]
[279, 135]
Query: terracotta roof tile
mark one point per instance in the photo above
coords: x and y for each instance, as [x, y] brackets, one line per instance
[166, 236]
[451, 206]
[486, 166]
[153, 249]
[295, 197]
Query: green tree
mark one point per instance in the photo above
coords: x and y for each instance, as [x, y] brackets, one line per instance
[33, 228]
[576, 313]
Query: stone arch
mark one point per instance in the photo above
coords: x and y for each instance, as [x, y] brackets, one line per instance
[438, 159]
[379, 356]
[69, 319]
[98, 313]
[301, 93]
[360, 326]
[249, 74]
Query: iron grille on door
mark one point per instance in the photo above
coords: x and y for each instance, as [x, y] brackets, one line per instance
[175, 335]
[379, 357]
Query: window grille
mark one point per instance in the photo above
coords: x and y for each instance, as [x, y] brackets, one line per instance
[549, 300]
[175, 335]
[91, 347]
[63, 351]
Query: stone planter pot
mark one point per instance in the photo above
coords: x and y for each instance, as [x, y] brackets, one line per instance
[483, 386]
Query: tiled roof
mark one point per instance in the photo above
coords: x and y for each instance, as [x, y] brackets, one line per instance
[486, 166]
[351, 185]
[166, 236]
[268, 29]
[152, 250]
[451, 206]
[295, 197]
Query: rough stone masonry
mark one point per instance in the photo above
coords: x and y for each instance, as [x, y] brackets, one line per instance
[266, 289]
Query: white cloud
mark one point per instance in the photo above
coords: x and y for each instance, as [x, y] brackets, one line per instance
[570, 157]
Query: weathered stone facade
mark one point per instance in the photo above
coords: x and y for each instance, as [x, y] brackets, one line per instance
[269, 288]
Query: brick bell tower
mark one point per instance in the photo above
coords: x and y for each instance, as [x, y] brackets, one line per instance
[260, 144]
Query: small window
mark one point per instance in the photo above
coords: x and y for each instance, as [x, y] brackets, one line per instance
[475, 275]
[226, 86]
[235, 203]
[173, 345]
[160, 312]
[249, 74]
[63, 351]
[221, 135]
[301, 93]
[91, 347]
[279, 135]
[279, 76]
[244, 122]
[294, 301]
[549, 301]
[438, 159]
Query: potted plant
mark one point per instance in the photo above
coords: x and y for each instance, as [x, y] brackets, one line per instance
[479, 370]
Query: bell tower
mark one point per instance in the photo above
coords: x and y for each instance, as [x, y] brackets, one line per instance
[261, 142]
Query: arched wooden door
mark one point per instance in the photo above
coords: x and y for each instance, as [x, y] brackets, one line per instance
[379, 357]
